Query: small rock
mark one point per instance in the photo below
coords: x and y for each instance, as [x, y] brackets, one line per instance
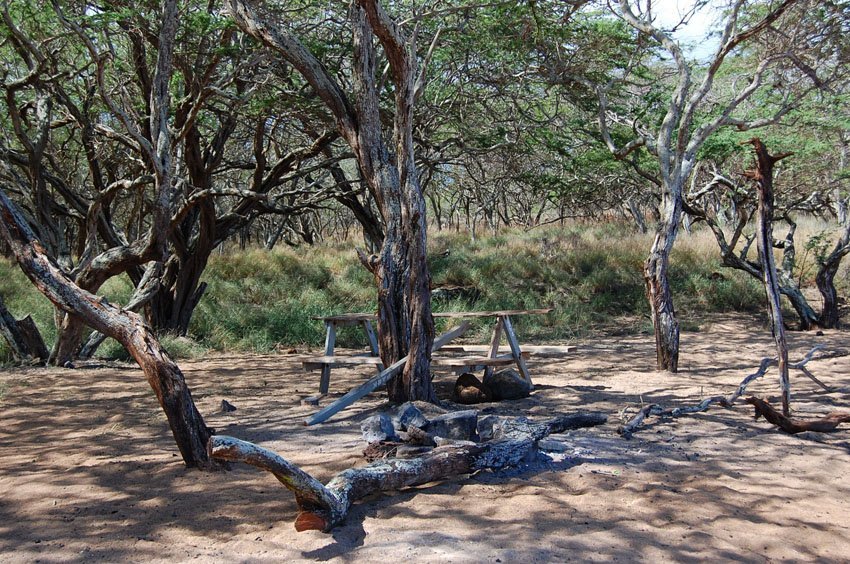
[311, 400]
[377, 428]
[68, 364]
[408, 415]
[552, 446]
[469, 390]
[417, 436]
[489, 427]
[507, 385]
[461, 425]
[227, 407]
[819, 333]
[407, 451]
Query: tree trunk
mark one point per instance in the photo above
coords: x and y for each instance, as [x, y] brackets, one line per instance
[763, 176]
[164, 376]
[658, 290]
[825, 280]
[23, 337]
[405, 325]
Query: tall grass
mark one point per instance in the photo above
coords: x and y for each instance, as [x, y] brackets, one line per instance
[591, 274]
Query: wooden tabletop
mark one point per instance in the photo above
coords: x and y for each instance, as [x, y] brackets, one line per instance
[453, 314]
[342, 317]
[348, 317]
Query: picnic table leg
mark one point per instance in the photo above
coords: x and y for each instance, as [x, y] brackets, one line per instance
[494, 345]
[330, 341]
[516, 352]
[373, 342]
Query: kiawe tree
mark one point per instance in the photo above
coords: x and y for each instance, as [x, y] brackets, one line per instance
[635, 114]
[153, 140]
[386, 162]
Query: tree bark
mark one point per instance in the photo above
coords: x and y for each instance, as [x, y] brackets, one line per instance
[164, 376]
[22, 336]
[763, 176]
[405, 325]
[658, 292]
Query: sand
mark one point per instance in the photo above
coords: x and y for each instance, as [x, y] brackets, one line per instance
[88, 470]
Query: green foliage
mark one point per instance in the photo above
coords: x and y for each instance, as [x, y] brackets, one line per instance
[591, 274]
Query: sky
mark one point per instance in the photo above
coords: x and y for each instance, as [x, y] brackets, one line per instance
[670, 12]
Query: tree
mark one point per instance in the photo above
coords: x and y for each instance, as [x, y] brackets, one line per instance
[187, 425]
[405, 325]
[696, 109]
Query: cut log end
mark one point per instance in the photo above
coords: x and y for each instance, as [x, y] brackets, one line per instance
[308, 521]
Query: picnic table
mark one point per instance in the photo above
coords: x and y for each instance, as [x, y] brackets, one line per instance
[492, 359]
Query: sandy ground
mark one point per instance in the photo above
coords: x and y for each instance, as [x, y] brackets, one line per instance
[88, 470]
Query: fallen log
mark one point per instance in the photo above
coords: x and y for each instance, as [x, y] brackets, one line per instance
[323, 507]
[826, 424]
[655, 409]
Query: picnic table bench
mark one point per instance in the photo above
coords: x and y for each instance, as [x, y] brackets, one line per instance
[488, 362]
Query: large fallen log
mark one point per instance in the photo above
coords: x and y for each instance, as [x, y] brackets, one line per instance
[655, 409]
[826, 424]
[322, 507]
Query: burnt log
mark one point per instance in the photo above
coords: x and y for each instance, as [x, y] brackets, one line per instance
[323, 507]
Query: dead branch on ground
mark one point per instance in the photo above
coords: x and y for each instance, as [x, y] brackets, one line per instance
[826, 424]
[658, 410]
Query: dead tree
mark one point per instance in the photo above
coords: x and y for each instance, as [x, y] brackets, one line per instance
[763, 177]
[323, 507]
[405, 325]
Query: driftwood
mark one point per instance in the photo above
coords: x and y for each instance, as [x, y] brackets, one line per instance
[826, 424]
[323, 507]
[655, 409]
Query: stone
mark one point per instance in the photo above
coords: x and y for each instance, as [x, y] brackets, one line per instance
[507, 385]
[377, 428]
[489, 427]
[227, 407]
[311, 400]
[469, 390]
[417, 436]
[552, 446]
[460, 425]
[408, 415]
